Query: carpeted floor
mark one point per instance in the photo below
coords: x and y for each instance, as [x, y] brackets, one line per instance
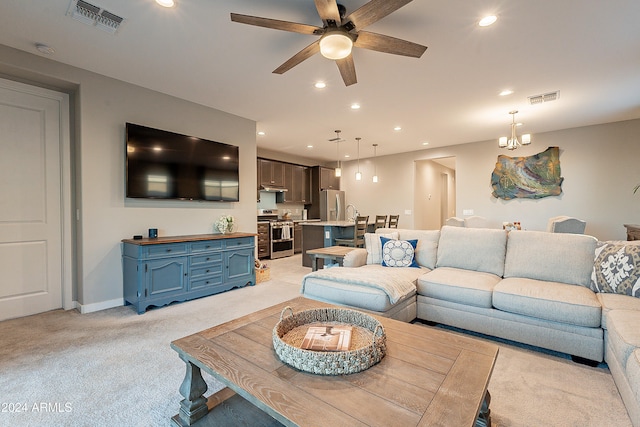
[115, 367]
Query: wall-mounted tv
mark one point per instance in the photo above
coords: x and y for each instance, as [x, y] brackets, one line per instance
[167, 165]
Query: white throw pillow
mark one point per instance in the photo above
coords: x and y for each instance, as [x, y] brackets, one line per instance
[374, 247]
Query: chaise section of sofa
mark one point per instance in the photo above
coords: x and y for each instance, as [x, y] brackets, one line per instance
[364, 283]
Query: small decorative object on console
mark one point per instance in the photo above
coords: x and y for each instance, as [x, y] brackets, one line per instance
[225, 224]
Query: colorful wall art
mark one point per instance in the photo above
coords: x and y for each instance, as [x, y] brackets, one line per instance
[531, 177]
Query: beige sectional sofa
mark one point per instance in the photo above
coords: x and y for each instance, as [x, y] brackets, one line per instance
[538, 288]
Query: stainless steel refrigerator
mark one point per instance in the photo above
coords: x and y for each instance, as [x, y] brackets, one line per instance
[332, 205]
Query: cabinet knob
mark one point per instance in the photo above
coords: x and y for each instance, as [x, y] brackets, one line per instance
[208, 271]
[168, 250]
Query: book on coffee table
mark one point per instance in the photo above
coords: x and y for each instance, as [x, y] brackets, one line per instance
[327, 338]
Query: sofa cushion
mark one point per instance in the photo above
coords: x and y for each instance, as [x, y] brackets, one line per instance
[633, 373]
[427, 249]
[553, 257]
[374, 247]
[398, 253]
[616, 302]
[477, 249]
[616, 268]
[456, 285]
[623, 333]
[555, 301]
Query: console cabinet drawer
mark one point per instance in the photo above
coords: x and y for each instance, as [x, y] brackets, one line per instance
[158, 251]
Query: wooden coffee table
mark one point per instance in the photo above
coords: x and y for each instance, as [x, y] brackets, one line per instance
[428, 377]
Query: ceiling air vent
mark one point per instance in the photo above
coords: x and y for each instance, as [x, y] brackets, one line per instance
[545, 97]
[94, 15]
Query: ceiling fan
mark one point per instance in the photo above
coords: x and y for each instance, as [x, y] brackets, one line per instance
[340, 33]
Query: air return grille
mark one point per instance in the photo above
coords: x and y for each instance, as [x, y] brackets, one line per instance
[94, 15]
[545, 97]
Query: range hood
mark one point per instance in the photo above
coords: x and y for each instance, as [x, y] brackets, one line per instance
[273, 189]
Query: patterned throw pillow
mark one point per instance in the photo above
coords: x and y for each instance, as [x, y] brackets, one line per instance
[616, 268]
[374, 247]
[398, 253]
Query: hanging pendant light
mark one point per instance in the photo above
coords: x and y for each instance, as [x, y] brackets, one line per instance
[358, 174]
[512, 143]
[375, 168]
[338, 169]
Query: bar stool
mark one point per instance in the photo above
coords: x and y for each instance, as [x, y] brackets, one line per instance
[381, 222]
[360, 228]
[393, 221]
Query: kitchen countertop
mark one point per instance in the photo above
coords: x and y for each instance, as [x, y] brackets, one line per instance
[332, 223]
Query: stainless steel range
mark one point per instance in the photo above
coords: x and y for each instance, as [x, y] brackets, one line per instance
[280, 233]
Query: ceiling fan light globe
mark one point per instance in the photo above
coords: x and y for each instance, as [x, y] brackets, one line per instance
[335, 46]
[502, 142]
[526, 139]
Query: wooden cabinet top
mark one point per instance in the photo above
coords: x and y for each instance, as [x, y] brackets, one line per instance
[181, 239]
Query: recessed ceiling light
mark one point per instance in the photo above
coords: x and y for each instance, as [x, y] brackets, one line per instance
[346, 156]
[261, 133]
[425, 143]
[320, 85]
[487, 20]
[43, 48]
[397, 128]
[355, 106]
[309, 146]
[506, 92]
[166, 3]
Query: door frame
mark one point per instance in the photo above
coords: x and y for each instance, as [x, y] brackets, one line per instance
[66, 199]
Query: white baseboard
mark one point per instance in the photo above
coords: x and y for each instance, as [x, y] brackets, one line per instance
[90, 308]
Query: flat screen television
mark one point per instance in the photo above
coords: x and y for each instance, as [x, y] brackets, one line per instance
[167, 165]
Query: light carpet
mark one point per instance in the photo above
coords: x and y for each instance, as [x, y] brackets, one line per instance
[115, 367]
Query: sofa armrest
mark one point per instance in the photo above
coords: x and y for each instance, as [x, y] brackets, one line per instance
[355, 258]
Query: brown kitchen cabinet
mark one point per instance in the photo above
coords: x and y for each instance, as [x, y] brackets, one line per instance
[264, 247]
[297, 237]
[271, 172]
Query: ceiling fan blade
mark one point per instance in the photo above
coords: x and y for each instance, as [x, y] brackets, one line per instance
[374, 11]
[276, 24]
[388, 44]
[347, 70]
[328, 11]
[305, 53]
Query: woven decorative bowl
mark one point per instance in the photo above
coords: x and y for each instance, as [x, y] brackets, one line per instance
[368, 341]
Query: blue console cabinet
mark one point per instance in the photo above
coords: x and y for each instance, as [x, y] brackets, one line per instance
[167, 269]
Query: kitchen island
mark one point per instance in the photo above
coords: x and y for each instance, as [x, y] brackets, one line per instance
[323, 234]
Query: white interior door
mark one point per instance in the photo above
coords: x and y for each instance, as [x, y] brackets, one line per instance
[31, 240]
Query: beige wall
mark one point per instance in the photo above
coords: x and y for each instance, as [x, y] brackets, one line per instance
[599, 164]
[431, 196]
[102, 107]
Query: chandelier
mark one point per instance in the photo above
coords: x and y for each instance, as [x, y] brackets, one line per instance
[512, 143]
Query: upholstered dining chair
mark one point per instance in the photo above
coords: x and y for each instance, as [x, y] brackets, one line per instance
[454, 222]
[360, 228]
[381, 222]
[566, 224]
[393, 221]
